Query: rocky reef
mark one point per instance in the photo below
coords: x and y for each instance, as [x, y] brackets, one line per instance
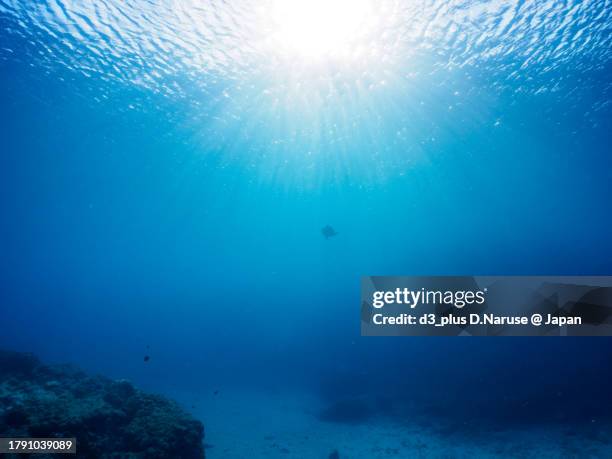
[109, 419]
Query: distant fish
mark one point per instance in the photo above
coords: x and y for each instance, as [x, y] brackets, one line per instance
[216, 392]
[147, 358]
[328, 232]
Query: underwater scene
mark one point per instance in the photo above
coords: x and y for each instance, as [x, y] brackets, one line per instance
[192, 190]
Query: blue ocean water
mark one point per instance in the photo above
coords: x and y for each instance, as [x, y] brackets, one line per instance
[166, 169]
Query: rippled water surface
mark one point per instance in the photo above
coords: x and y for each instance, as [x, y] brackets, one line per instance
[147, 42]
[405, 72]
[176, 47]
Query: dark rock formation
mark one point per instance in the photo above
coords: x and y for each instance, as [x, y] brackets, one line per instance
[110, 419]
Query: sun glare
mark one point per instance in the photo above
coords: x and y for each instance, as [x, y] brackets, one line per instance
[317, 29]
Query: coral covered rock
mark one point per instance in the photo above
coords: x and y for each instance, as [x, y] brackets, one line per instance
[109, 419]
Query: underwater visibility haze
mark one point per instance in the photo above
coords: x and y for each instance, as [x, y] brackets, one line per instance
[190, 192]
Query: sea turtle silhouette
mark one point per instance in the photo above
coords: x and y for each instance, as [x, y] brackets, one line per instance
[328, 232]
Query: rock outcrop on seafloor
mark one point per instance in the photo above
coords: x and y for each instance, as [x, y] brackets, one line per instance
[109, 419]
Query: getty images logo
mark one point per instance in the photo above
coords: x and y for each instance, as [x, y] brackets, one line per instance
[414, 298]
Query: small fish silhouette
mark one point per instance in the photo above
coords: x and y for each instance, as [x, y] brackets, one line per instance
[328, 232]
[147, 358]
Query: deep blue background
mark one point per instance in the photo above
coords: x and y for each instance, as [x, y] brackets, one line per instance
[129, 225]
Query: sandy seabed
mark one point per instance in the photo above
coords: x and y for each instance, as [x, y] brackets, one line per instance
[280, 425]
